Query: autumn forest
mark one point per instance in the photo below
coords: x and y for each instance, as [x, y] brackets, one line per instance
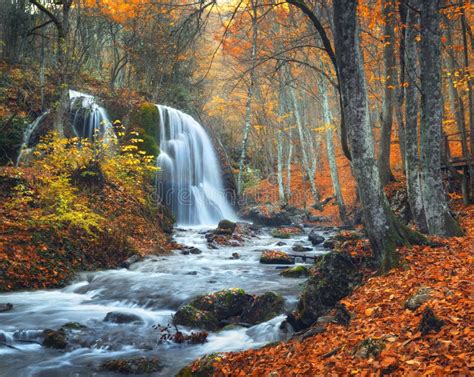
[236, 188]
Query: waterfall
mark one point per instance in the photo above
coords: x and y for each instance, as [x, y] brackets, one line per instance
[89, 120]
[190, 178]
[27, 136]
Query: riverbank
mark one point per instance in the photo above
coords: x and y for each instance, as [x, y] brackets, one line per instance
[51, 228]
[384, 335]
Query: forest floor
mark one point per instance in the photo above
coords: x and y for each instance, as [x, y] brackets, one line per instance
[393, 341]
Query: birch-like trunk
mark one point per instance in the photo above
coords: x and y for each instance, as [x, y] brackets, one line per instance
[385, 232]
[250, 93]
[389, 92]
[281, 187]
[304, 147]
[412, 160]
[438, 217]
[328, 123]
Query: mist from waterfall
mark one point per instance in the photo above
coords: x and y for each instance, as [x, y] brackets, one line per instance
[190, 177]
[89, 119]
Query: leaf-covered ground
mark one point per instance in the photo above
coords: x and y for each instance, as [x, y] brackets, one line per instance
[379, 312]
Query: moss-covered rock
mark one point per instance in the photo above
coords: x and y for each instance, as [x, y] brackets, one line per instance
[202, 367]
[223, 304]
[276, 257]
[11, 137]
[295, 272]
[73, 326]
[140, 365]
[190, 316]
[226, 224]
[263, 308]
[54, 339]
[336, 276]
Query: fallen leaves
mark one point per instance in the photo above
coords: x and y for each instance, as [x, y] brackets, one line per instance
[379, 313]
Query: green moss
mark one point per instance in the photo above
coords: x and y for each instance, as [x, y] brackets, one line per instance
[11, 137]
[201, 368]
[146, 120]
[295, 272]
[279, 234]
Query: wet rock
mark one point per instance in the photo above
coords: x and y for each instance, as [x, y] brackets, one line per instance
[280, 243]
[329, 244]
[190, 316]
[73, 326]
[202, 367]
[223, 304]
[263, 308]
[268, 215]
[140, 365]
[194, 273]
[227, 224]
[133, 259]
[5, 307]
[418, 299]
[315, 238]
[295, 272]
[276, 257]
[186, 250]
[54, 339]
[369, 348]
[430, 322]
[286, 232]
[336, 275]
[230, 306]
[235, 256]
[119, 317]
[300, 248]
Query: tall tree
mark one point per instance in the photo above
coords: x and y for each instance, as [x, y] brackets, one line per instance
[438, 217]
[384, 230]
[412, 159]
[250, 94]
[390, 82]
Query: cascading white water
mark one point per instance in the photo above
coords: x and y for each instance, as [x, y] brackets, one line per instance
[27, 136]
[190, 178]
[90, 120]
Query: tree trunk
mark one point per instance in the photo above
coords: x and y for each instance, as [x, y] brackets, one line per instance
[438, 216]
[304, 154]
[281, 187]
[250, 93]
[389, 92]
[412, 160]
[384, 230]
[330, 150]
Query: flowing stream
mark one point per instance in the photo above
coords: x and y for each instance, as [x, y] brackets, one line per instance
[152, 289]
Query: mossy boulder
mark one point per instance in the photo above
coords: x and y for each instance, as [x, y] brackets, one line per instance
[286, 232]
[263, 308]
[190, 316]
[226, 224]
[276, 257]
[223, 304]
[140, 365]
[336, 275]
[73, 326]
[295, 272]
[216, 310]
[55, 339]
[119, 317]
[202, 367]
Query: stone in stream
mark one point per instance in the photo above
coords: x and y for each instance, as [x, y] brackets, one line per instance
[276, 257]
[119, 317]
[140, 365]
[214, 311]
[280, 243]
[186, 250]
[54, 339]
[300, 248]
[295, 272]
[315, 238]
[286, 232]
[5, 307]
[133, 259]
[263, 308]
